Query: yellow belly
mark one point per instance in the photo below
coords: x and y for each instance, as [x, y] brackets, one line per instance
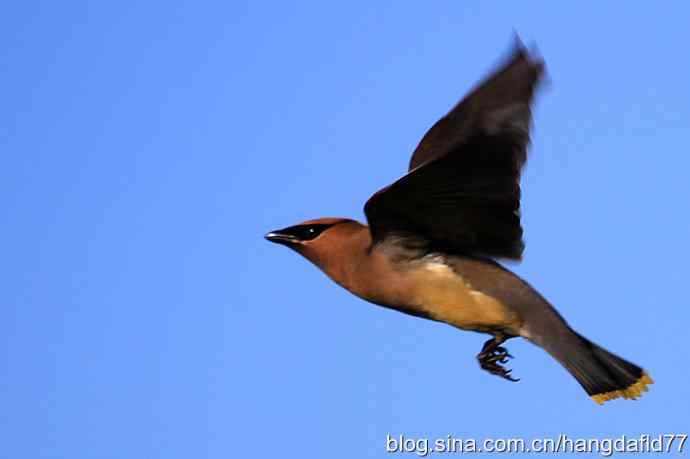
[448, 298]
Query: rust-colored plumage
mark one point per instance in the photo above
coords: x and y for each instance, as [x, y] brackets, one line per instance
[434, 236]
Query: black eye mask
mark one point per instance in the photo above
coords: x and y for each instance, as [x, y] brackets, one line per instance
[306, 232]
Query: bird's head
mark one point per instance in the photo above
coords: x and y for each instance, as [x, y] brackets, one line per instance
[317, 240]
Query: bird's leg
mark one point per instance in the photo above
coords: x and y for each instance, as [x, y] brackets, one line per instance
[493, 355]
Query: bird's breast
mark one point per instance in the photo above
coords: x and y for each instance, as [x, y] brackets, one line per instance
[447, 297]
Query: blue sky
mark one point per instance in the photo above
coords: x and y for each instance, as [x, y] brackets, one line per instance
[148, 146]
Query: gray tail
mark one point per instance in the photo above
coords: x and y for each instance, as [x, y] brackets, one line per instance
[603, 375]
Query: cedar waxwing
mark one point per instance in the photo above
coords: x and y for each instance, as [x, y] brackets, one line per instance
[434, 235]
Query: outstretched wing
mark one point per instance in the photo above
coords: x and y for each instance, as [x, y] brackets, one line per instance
[462, 192]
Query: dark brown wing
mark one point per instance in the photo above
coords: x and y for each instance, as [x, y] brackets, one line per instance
[500, 103]
[462, 193]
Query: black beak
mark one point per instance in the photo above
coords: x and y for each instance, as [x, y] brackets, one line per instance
[281, 238]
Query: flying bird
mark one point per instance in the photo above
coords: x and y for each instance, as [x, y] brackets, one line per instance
[435, 235]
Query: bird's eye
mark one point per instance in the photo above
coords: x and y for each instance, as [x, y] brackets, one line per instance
[309, 232]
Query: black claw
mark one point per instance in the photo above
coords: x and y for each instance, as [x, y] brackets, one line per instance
[492, 355]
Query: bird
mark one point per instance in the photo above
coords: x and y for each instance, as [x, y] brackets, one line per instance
[436, 237]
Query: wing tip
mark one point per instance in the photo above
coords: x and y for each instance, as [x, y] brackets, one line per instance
[520, 53]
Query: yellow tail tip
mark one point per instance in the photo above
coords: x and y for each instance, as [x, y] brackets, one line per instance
[631, 392]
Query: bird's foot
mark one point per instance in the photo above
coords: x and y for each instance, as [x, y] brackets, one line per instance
[492, 356]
